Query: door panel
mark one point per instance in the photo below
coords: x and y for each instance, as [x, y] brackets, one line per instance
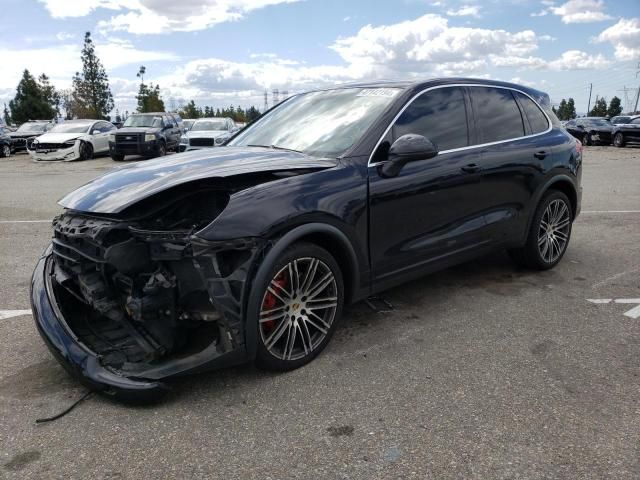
[435, 207]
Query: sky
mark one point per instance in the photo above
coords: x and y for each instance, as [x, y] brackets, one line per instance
[223, 52]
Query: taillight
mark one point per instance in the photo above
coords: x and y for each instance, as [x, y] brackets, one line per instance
[578, 147]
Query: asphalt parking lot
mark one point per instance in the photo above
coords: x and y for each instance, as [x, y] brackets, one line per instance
[481, 371]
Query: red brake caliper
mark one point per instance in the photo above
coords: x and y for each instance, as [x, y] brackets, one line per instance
[270, 300]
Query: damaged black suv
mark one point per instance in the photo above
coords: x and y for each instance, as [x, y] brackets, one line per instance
[248, 252]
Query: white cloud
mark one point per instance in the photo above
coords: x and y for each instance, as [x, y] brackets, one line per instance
[60, 62]
[81, 8]
[464, 11]
[427, 44]
[625, 38]
[578, 60]
[165, 16]
[541, 13]
[581, 11]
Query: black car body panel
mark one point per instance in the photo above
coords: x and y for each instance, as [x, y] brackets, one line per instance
[20, 139]
[5, 140]
[630, 131]
[598, 129]
[169, 250]
[135, 141]
[117, 190]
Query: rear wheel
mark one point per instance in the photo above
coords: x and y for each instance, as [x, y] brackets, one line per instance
[618, 140]
[549, 233]
[300, 307]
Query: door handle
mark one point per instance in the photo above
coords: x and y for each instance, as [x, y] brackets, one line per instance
[540, 155]
[471, 168]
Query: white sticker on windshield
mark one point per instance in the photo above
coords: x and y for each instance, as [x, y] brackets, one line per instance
[378, 92]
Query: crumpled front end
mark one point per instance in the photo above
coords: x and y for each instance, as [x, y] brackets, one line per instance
[63, 152]
[129, 302]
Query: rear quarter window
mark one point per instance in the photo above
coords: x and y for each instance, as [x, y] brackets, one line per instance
[537, 120]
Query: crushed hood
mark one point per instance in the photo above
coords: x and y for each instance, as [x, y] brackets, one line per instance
[53, 137]
[124, 186]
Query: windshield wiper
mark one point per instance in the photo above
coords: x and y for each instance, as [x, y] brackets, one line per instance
[276, 147]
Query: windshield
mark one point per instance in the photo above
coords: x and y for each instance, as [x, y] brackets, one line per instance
[600, 122]
[143, 121]
[323, 123]
[32, 127]
[187, 124]
[209, 125]
[71, 128]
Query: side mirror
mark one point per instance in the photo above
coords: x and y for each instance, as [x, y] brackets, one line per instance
[407, 148]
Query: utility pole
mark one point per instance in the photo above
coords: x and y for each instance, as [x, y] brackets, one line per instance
[635, 109]
[589, 104]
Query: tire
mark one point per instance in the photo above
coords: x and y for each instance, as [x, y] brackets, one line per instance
[586, 139]
[6, 150]
[618, 140]
[162, 149]
[86, 151]
[117, 157]
[290, 335]
[556, 239]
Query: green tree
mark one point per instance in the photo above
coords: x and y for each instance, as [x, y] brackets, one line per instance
[35, 99]
[571, 109]
[615, 107]
[190, 110]
[92, 96]
[599, 108]
[149, 99]
[6, 115]
[562, 110]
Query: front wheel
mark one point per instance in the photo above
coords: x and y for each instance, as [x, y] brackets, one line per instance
[116, 157]
[586, 139]
[549, 233]
[6, 150]
[300, 307]
[618, 140]
[86, 151]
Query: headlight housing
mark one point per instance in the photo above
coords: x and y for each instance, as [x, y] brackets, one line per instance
[149, 137]
[70, 143]
[112, 137]
[220, 140]
[184, 141]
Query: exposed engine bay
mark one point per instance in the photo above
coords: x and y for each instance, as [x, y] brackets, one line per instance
[140, 290]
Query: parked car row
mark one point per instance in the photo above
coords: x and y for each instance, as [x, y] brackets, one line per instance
[620, 131]
[146, 134]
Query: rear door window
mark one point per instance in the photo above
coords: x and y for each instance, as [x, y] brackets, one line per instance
[440, 115]
[497, 114]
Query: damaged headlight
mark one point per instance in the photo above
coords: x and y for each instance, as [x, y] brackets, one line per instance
[184, 141]
[70, 143]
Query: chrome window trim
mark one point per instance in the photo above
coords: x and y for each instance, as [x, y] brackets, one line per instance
[468, 147]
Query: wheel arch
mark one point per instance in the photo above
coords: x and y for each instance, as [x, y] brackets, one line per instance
[324, 235]
[562, 183]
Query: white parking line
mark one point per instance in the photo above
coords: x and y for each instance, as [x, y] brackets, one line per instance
[4, 314]
[633, 313]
